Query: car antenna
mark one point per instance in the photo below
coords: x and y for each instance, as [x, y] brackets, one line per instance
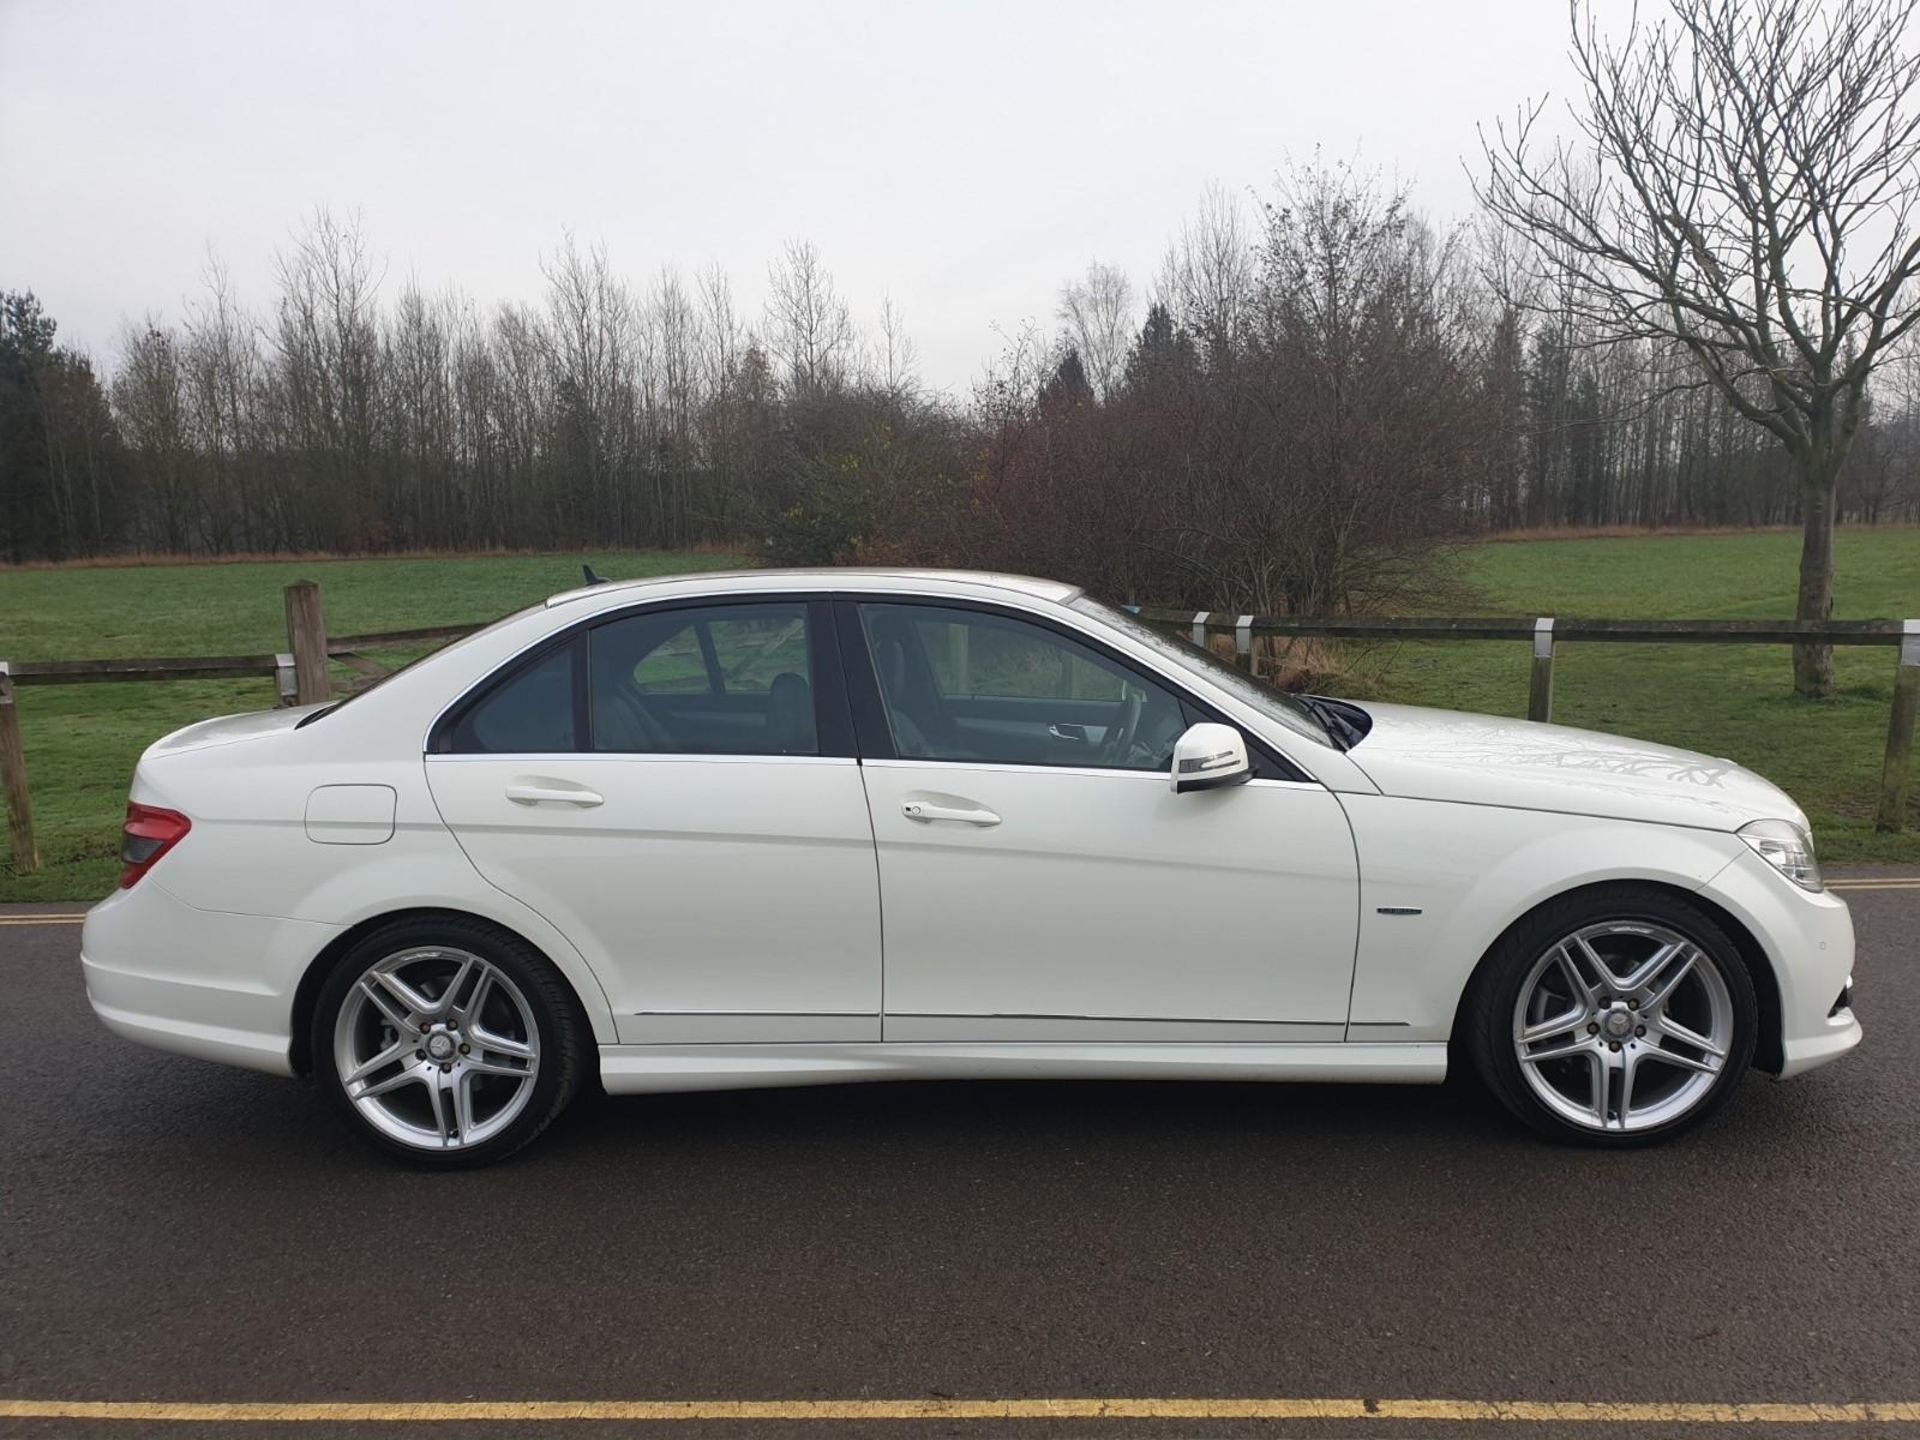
[592, 579]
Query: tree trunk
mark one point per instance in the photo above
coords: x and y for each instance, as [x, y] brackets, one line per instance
[1813, 663]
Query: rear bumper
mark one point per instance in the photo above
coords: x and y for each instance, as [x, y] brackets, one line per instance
[205, 983]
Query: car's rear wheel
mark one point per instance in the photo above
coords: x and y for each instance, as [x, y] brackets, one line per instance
[449, 1042]
[1616, 1016]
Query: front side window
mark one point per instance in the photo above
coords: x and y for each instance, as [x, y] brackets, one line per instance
[967, 685]
[717, 680]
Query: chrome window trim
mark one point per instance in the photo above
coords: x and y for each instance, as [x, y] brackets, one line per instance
[575, 625]
[1159, 777]
[1187, 685]
[681, 757]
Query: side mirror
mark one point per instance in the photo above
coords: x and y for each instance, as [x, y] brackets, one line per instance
[1209, 756]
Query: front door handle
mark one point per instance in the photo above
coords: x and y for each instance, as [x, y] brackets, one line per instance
[926, 811]
[529, 792]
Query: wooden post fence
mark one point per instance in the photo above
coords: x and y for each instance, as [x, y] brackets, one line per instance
[307, 640]
[13, 770]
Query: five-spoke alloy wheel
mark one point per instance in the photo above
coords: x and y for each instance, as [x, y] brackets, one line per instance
[450, 1042]
[1614, 1016]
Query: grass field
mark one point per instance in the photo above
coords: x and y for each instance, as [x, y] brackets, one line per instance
[82, 740]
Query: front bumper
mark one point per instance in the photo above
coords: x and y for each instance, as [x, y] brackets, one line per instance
[206, 983]
[1808, 939]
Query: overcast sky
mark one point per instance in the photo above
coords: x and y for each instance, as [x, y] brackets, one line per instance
[965, 158]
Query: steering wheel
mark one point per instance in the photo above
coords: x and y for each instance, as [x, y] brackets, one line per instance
[1120, 738]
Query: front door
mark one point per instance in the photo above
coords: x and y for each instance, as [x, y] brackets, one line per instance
[1041, 880]
[674, 789]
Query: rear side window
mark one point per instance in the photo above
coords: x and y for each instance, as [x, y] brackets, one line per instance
[716, 680]
[531, 712]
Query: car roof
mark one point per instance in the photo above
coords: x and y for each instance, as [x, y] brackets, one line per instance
[922, 582]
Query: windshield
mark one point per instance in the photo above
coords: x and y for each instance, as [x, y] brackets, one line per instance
[1275, 704]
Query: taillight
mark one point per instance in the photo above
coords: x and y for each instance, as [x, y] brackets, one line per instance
[148, 834]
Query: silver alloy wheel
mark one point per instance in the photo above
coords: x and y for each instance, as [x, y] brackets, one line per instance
[436, 1048]
[1623, 1026]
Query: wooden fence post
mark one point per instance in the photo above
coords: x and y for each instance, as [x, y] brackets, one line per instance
[13, 771]
[307, 639]
[1540, 691]
[1898, 769]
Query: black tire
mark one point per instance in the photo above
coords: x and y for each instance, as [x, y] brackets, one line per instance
[1489, 1014]
[563, 1033]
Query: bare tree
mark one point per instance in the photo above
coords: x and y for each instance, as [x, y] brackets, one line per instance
[896, 358]
[809, 328]
[223, 366]
[1744, 185]
[150, 399]
[674, 324]
[1097, 319]
[1207, 279]
[420, 503]
[592, 342]
[329, 350]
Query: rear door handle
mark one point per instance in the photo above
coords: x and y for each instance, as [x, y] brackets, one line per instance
[552, 793]
[926, 812]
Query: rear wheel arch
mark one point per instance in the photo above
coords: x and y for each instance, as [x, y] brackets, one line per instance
[1768, 1053]
[313, 980]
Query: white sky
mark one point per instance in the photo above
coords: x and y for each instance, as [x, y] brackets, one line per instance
[965, 158]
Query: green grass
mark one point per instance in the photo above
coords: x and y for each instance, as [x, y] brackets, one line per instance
[82, 740]
[1731, 700]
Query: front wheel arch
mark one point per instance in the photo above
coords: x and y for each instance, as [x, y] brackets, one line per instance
[1768, 1050]
[306, 994]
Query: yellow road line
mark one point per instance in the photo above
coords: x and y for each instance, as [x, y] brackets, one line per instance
[41, 919]
[500, 1411]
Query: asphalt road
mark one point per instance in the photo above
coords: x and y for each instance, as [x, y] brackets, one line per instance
[171, 1231]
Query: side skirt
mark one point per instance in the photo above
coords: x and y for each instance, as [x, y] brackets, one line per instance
[644, 1069]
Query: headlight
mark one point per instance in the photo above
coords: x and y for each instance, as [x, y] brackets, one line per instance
[1786, 847]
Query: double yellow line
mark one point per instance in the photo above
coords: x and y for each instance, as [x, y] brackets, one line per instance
[525, 1411]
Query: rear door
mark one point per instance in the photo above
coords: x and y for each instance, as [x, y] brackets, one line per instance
[675, 789]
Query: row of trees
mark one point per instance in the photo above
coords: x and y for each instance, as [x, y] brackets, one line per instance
[1325, 365]
[351, 420]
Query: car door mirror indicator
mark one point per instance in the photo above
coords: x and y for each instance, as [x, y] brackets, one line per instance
[1209, 756]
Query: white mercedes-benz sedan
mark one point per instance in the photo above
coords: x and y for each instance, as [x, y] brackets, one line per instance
[802, 827]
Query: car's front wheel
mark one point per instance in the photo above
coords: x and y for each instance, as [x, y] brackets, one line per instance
[1615, 1016]
[449, 1042]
